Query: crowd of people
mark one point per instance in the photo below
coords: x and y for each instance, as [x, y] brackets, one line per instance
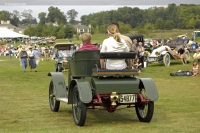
[31, 56]
[116, 42]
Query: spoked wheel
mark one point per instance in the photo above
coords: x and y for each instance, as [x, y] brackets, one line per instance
[54, 104]
[144, 110]
[166, 59]
[79, 109]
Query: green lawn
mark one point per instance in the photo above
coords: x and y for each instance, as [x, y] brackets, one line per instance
[25, 106]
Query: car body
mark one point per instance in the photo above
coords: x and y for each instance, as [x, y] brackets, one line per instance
[164, 54]
[89, 86]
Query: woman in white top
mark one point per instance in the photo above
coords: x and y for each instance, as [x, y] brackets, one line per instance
[114, 44]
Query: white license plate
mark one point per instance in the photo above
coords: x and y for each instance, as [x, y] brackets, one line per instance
[127, 98]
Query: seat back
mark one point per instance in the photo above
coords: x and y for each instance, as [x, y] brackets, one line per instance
[83, 62]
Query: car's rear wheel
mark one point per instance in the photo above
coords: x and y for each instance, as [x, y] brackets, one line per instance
[166, 59]
[79, 108]
[144, 110]
[54, 104]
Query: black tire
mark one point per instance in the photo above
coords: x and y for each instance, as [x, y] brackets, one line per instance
[79, 108]
[54, 104]
[166, 59]
[145, 110]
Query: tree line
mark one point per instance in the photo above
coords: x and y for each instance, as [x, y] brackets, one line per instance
[184, 16]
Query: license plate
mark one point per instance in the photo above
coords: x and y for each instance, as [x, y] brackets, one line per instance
[127, 98]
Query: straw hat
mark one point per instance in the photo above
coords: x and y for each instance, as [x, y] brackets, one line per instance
[30, 47]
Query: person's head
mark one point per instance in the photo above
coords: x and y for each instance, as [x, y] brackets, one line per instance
[114, 31]
[140, 44]
[183, 47]
[115, 23]
[135, 41]
[194, 63]
[86, 38]
[23, 49]
[30, 47]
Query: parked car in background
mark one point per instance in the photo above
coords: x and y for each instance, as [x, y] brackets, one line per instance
[62, 53]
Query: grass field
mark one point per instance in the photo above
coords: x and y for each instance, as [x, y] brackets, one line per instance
[25, 106]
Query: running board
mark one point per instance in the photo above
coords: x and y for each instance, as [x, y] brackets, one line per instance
[63, 99]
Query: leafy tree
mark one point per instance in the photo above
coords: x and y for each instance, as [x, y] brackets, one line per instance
[69, 31]
[42, 17]
[72, 14]
[55, 15]
[4, 15]
[159, 23]
[27, 14]
[168, 25]
[61, 33]
[149, 26]
[15, 18]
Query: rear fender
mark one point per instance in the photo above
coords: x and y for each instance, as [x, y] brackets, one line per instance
[59, 84]
[84, 88]
[150, 87]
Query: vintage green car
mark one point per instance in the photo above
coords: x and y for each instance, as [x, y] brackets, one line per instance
[89, 86]
[62, 53]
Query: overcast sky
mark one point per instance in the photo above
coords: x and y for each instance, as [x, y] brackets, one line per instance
[84, 7]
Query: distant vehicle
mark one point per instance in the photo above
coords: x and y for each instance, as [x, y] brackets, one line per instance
[42, 42]
[163, 54]
[62, 53]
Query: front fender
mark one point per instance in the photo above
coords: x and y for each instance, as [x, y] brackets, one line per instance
[84, 88]
[150, 87]
[59, 84]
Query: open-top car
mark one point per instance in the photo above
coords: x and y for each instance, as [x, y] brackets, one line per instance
[164, 54]
[62, 53]
[88, 86]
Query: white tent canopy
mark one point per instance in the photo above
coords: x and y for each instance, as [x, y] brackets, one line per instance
[6, 33]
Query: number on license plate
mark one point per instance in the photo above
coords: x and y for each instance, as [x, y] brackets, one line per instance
[127, 98]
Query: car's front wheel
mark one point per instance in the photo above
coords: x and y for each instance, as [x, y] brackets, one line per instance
[79, 108]
[54, 104]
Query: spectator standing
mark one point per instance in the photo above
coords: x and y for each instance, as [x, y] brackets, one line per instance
[37, 56]
[114, 44]
[23, 55]
[46, 54]
[10, 53]
[31, 58]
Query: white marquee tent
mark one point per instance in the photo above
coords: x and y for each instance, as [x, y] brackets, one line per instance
[6, 33]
